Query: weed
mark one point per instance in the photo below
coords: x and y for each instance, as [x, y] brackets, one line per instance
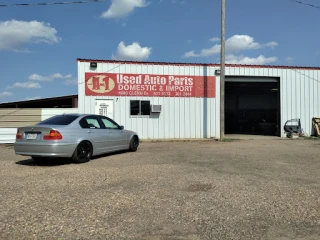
[230, 139]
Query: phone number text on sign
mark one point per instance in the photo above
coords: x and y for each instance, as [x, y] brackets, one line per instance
[143, 85]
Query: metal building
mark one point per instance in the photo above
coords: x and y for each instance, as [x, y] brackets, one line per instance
[181, 100]
[29, 112]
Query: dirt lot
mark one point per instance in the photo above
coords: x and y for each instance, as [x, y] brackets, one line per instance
[248, 189]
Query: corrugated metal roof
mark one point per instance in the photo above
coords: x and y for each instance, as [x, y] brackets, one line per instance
[41, 99]
[197, 64]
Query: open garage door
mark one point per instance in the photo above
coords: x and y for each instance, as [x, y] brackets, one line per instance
[252, 105]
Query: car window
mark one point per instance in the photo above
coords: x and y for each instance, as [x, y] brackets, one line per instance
[59, 120]
[109, 124]
[89, 122]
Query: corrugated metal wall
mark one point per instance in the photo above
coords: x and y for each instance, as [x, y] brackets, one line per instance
[12, 118]
[299, 92]
[18, 117]
[180, 117]
[7, 135]
[199, 117]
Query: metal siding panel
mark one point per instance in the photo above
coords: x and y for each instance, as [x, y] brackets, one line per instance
[251, 71]
[162, 119]
[230, 71]
[7, 135]
[308, 77]
[18, 124]
[186, 117]
[50, 112]
[181, 112]
[81, 97]
[297, 94]
[199, 118]
[306, 82]
[243, 71]
[306, 121]
[311, 102]
[299, 97]
[160, 133]
[170, 104]
[283, 98]
[212, 107]
[304, 98]
[176, 118]
[317, 95]
[283, 101]
[293, 98]
[218, 102]
[181, 117]
[18, 117]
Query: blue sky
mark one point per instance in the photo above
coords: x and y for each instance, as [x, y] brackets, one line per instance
[39, 44]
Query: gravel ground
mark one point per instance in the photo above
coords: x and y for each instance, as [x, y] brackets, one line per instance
[248, 189]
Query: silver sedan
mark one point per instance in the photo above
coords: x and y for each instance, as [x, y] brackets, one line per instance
[76, 136]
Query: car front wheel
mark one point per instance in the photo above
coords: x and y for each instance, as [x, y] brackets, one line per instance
[83, 152]
[134, 143]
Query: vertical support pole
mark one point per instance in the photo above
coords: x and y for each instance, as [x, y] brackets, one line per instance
[222, 69]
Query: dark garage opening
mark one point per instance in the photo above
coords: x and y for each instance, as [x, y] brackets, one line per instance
[252, 106]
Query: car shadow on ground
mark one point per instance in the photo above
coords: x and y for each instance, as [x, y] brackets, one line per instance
[50, 162]
[97, 157]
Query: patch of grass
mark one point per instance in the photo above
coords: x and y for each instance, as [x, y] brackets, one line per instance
[312, 138]
[7, 145]
[230, 139]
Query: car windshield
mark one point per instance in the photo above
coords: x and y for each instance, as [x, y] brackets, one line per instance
[59, 120]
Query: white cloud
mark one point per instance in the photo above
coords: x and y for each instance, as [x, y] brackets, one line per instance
[234, 44]
[37, 77]
[33, 98]
[289, 59]
[15, 34]
[261, 60]
[71, 82]
[122, 8]
[271, 44]
[5, 94]
[214, 39]
[190, 54]
[178, 1]
[25, 85]
[133, 52]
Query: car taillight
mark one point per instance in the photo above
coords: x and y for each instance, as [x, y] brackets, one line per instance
[52, 135]
[18, 135]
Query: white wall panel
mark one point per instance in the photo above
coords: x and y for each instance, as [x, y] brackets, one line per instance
[200, 117]
[180, 117]
[7, 135]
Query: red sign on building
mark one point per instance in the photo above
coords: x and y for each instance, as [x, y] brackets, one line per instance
[112, 84]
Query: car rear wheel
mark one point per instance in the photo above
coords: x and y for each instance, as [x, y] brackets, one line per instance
[134, 143]
[83, 152]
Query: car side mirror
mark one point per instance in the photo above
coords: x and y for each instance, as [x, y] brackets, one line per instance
[121, 127]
